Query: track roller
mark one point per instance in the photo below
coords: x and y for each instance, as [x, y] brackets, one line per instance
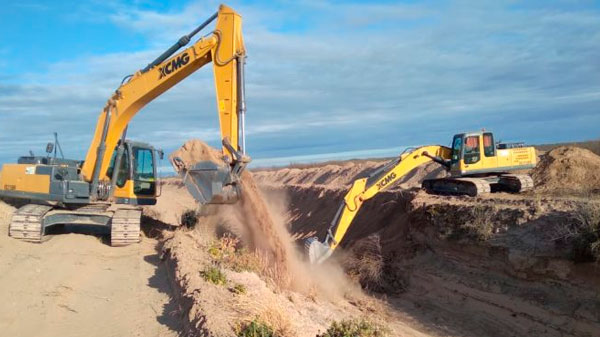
[27, 223]
[125, 227]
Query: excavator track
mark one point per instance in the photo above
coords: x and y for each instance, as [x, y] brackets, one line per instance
[458, 186]
[516, 183]
[125, 227]
[27, 223]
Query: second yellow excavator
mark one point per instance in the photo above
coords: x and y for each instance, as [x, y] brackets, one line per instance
[477, 165]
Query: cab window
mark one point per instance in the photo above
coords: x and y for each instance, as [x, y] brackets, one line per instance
[456, 146]
[143, 171]
[471, 153]
[489, 149]
[124, 169]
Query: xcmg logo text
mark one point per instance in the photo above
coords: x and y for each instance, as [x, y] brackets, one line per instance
[386, 180]
[173, 65]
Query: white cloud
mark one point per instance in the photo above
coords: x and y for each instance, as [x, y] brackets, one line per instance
[359, 76]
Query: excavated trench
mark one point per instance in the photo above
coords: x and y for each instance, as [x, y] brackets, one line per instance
[497, 265]
[471, 267]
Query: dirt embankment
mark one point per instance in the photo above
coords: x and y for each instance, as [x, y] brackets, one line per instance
[498, 265]
[239, 264]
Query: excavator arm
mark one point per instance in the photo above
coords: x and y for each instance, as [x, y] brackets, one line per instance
[224, 47]
[363, 189]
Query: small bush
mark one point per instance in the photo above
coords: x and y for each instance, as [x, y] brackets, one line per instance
[586, 238]
[256, 328]
[225, 251]
[239, 289]
[214, 275]
[189, 218]
[356, 328]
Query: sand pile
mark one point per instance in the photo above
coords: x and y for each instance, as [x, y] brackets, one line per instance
[568, 169]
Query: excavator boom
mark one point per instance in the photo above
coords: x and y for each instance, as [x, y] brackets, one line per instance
[363, 189]
[224, 47]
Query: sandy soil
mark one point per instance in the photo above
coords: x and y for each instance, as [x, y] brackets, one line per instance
[518, 280]
[77, 285]
[422, 271]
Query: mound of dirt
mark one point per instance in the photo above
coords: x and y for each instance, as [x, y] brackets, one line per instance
[568, 169]
[193, 151]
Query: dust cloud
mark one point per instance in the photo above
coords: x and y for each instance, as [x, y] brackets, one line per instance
[261, 221]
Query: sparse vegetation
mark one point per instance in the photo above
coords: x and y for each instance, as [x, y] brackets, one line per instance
[214, 275]
[239, 289]
[226, 251]
[586, 236]
[366, 264]
[481, 226]
[256, 328]
[356, 328]
[475, 223]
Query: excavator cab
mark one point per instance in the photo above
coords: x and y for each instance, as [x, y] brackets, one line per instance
[472, 151]
[135, 181]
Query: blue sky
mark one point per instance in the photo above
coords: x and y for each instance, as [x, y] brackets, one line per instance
[326, 79]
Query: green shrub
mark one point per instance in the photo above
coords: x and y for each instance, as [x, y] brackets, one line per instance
[214, 275]
[356, 328]
[256, 328]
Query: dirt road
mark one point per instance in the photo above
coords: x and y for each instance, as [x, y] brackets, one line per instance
[76, 285]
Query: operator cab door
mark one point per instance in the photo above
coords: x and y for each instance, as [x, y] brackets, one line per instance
[489, 154]
[136, 179]
[471, 154]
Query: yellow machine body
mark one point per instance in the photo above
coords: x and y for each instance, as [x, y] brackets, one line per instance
[474, 159]
[477, 153]
[22, 177]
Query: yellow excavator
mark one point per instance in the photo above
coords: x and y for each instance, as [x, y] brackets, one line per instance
[119, 175]
[477, 165]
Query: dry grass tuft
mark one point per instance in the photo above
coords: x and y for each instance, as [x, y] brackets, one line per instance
[228, 252]
[586, 236]
[480, 225]
[581, 235]
[269, 312]
[366, 264]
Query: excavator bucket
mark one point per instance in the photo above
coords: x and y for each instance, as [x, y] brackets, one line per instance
[318, 252]
[210, 183]
[209, 178]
